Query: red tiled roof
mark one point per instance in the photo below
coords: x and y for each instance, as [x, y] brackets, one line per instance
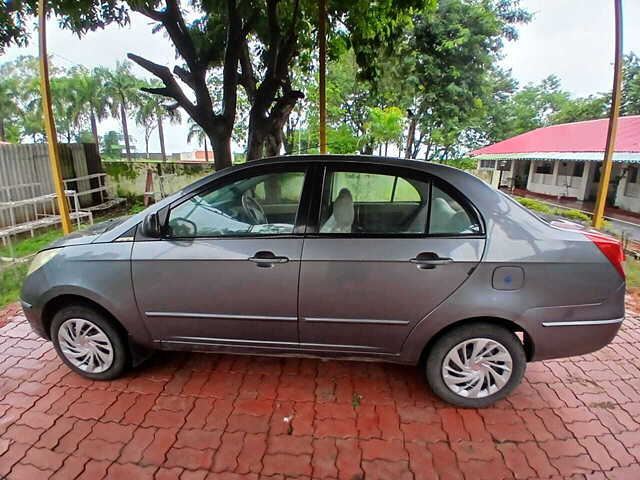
[589, 136]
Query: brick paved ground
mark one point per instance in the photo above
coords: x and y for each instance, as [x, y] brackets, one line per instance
[194, 416]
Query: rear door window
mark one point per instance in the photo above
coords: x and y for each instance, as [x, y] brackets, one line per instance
[450, 215]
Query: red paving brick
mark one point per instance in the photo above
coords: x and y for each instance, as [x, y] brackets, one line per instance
[197, 416]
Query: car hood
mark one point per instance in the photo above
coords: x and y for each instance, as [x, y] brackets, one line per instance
[88, 234]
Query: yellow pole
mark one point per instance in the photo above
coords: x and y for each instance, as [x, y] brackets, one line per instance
[49, 123]
[322, 39]
[605, 175]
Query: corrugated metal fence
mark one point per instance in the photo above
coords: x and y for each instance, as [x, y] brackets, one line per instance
[25, 172]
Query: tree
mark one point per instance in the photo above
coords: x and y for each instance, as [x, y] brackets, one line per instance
[68, 107]
[22, 73]
[631, 85]
[121, 88]
[265, 38]
[92, 96]
[150, 115]
[196, 132]
[580, 109]
[385, 126]
[454, 49]
[9, 110]
[111, 144]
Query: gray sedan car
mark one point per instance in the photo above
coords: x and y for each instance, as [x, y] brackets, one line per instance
[334, 256]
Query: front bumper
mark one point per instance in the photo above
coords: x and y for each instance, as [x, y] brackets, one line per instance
[34, 317]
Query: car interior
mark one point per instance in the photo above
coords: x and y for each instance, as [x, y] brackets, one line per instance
[390, 213]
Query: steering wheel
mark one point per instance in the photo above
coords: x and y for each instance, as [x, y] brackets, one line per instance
[253, 209]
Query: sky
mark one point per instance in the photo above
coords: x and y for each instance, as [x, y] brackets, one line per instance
[573, 39]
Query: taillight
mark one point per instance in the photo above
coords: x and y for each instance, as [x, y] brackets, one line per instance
[611, 248]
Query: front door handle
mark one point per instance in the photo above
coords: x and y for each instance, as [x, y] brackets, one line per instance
[266, 259]
[429, 260]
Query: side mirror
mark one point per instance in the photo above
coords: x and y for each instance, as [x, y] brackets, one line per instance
[151, 226]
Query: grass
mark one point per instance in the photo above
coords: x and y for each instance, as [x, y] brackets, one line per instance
[30, 245]
[632, 269]
[11, 282]
[12, 276]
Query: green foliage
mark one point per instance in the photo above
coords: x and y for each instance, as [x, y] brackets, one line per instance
[111, 146]
[465, 163]
[580, 109]
[384, 125]
[136, 207]
[542, 207]
[118, 170]
[11, 279]
[454, 49]
[574, 215]
[536, 205]
[630, 104]
[30, 245]
[632, 269]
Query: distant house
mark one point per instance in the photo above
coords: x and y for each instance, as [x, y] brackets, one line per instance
[565, 161]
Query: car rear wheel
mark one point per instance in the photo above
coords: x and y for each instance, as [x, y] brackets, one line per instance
[475, 365]
[88, 342]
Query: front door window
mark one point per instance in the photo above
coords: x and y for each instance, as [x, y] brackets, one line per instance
[260, 205]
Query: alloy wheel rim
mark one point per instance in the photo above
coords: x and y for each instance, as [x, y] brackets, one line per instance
[85, 345]
[477, 368]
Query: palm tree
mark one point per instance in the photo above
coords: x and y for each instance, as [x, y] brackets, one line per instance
[92, 96]
[71, 115]
[121, 88]
[151, 113]
[196, 132]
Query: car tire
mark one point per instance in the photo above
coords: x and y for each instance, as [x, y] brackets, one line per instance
[87, 341]
[457, 381]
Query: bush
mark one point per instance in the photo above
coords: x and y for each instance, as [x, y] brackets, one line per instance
[536, 205]
[574, 215]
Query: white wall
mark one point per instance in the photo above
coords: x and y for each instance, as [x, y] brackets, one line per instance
[628, 195]
[558, 184]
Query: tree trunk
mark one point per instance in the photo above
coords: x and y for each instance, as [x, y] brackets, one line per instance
[146, 145]
[386, 148]
[2, 132]
[408, 150]
[222, 157]
[255, 140]
[428, 152]
[206, 152]
[367, 149]
[94, 129]
[161, 137]
[125, 131]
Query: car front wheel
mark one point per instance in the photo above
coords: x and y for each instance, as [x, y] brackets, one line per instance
[88, 343]
[475, 365]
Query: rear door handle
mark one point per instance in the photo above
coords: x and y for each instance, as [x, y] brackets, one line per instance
[266, 259]
[429, 260]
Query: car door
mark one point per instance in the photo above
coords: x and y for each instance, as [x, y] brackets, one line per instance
[227, 271]
[391, 244]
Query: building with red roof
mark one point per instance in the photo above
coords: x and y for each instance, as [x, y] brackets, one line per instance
[565, 161]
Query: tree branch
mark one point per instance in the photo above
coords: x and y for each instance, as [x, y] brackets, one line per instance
[247, 78]
[184, 75]
[171, 88]
[150, 13]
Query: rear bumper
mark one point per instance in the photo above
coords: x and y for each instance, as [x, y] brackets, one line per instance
[569, 338]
